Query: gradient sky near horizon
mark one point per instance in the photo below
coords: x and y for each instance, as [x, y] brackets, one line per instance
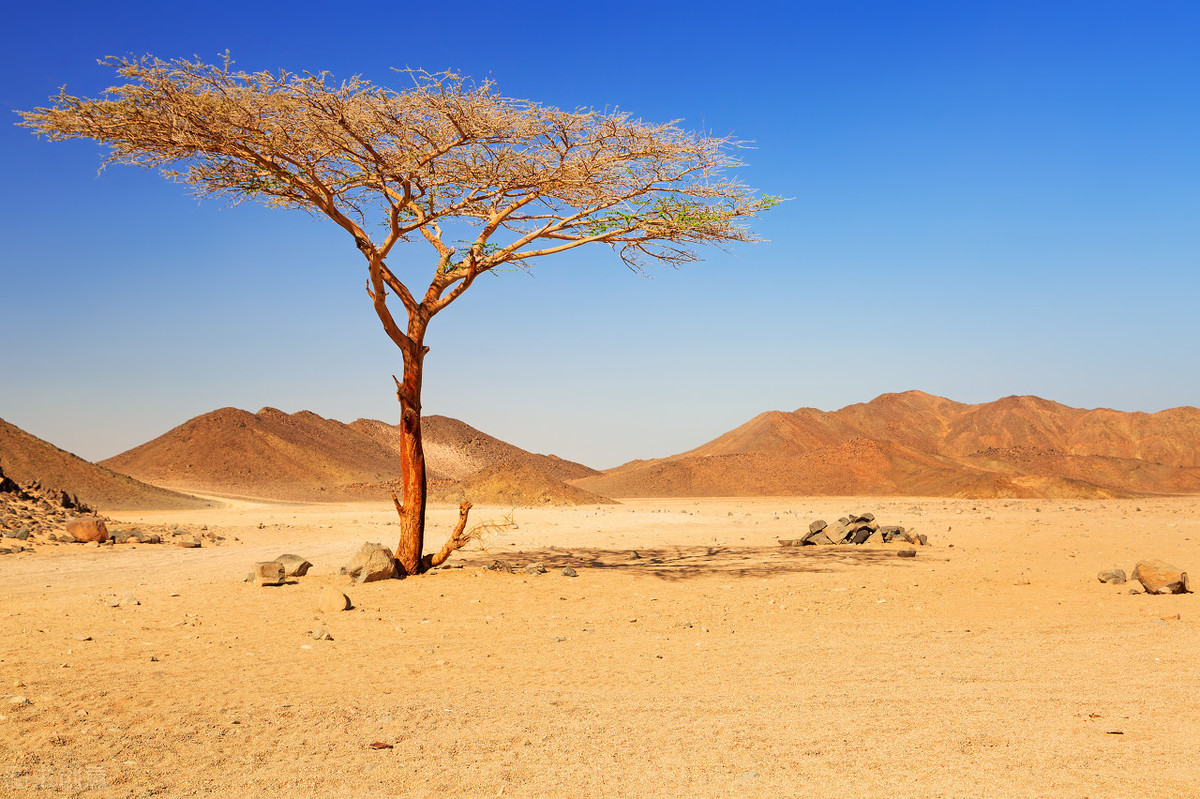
[987, 198]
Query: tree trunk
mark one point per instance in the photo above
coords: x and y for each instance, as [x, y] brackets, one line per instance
[412, 463]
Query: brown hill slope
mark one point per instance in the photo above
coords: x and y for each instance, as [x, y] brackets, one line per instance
[28, 459]
[269, 454]
[456, 450]
[304, 457]
[514, 483]
[920, 444]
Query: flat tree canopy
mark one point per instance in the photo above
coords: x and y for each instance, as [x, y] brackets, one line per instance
[391, 166]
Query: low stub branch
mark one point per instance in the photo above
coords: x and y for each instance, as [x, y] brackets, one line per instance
[458, 539]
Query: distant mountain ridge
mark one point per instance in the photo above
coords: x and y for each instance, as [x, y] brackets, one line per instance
[27, 459]
[920, 444]
[305, 457]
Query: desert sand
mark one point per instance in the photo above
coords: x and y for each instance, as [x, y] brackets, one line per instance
[715, 664]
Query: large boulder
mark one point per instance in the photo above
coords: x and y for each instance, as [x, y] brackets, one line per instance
[372, 562]
[1158, 577]
[88, 529]
[294, 565]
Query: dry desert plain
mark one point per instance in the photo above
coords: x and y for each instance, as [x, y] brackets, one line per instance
[715, 664]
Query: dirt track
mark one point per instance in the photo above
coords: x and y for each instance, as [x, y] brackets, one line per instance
[716, 664]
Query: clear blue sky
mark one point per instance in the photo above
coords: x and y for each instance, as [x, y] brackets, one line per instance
[989, 198]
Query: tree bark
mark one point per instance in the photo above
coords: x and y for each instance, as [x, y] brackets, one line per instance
[412, 460]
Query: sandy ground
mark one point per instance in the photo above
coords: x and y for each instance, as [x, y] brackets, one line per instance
[716, 664]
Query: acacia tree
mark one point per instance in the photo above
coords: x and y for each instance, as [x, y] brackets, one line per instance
[523, 180]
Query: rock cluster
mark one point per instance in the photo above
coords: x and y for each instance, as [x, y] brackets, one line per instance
[854, 528]
[1155, 576]
[277, 572]
[32, 512]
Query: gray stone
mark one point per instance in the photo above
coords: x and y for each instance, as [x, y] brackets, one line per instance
[321, 634]
[837, 535]
[333, 600]
[188, 543]
[372, 562]
[294, 565]
[809, 538]
[906, 553]
[817, 526]
[269, 573]
[1112, 576]
[861, 535]
[569, 572]
[535, 568]
[21, 534]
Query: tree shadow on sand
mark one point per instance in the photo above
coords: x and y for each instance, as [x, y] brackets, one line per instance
[684, 562]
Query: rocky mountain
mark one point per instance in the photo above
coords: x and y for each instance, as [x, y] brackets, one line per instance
[919, 444]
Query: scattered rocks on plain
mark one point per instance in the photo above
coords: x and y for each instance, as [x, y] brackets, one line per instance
[854, 528]
[372, 562]
[1158, 577]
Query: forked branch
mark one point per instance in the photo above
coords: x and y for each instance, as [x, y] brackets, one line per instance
[458, 539]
